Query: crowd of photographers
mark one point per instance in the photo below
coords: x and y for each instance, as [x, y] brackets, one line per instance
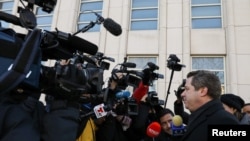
[73, 114]
[78, 106]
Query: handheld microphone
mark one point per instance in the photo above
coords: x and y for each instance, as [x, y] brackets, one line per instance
[154, 129]
[100, 111]
[178, 129]
[113, 27]
[122, 94]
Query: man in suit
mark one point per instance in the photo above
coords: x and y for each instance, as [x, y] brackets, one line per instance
[201, 98]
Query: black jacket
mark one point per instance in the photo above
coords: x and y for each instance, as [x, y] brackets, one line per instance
[210, 113]
[110, 130]
[20, 120]
[61, 123]
[167, 137]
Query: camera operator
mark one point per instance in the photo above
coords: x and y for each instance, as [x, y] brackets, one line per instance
[148, 104]
[148, 110]
[112, 129]
[61, 121]
[21, 110]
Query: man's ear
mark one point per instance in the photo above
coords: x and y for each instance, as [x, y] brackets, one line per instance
[203, 91]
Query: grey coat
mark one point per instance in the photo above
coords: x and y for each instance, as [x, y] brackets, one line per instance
[245, 119]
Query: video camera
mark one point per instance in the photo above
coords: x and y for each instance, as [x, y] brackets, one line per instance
[173, 63]
[27, 18]
[153, 99]
[55, 45]
[82, 74]
[98, 59]
[130, 77]
[47, 5]
[149, 76]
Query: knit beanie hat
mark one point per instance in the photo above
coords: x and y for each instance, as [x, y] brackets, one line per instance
[232, 100]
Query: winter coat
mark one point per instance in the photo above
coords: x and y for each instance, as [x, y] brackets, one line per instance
[212, 113]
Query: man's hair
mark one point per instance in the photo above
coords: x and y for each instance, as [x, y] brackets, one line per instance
[246, 104]
[164, 112]
[204, 78]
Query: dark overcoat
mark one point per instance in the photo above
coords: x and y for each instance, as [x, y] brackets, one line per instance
[212, 113]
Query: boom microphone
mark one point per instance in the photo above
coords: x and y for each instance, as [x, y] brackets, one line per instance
[153, 129]
[113, 27]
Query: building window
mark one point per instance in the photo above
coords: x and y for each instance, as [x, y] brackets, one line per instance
[144, 15]
[86, 14]
[215, 64]
[7, 7]
[141, 63]
[206, 14]
[44, 19]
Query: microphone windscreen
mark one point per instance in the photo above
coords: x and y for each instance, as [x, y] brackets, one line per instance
[177, 120]
[177, 127]
[77, 43]
[122, 94]
[113, 27]
[154, 129]
[129, 65]
[153, 66]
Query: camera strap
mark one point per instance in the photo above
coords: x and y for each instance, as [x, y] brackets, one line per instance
[21, 67]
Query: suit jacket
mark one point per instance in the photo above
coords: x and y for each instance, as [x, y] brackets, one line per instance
[212, 113]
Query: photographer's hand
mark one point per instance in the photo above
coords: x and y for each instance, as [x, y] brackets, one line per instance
[180, 90]
[143, 99]
[113, 82]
